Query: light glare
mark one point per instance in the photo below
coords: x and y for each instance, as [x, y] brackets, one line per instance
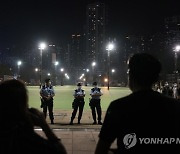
[177, 48]
[42, 46]
[19, 63]
[110, 46]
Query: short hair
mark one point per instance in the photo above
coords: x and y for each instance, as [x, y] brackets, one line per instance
[144, 69]
[15, 95]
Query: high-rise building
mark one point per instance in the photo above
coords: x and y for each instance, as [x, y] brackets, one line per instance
[172, 25]
[172, 29]
[95, 33]
[76, 56]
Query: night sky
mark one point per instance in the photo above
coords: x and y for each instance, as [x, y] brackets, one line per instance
[27, 21]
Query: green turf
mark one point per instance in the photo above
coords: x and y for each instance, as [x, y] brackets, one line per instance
[64, 96]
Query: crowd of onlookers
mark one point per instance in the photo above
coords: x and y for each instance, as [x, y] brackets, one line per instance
[171, 90]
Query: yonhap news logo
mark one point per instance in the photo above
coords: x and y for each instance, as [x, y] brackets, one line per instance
[130, 140]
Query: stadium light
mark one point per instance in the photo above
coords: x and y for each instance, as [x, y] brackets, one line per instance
[176, 50]
[109, 48]
[42, 46]
[19, 63]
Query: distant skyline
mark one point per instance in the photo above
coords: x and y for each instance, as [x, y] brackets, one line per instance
[32, 21]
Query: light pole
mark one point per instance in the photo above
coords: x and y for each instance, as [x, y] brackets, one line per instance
[86, 80]
[19, 63]
[62, 70]
[42, 46]
[93, 65]
[36, 70]
[109, 48]
[112, 76]
[177, 49]
[55, 64]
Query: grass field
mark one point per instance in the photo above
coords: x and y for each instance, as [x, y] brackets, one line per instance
[64, 96]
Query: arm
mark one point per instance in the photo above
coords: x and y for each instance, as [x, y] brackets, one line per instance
[43, 96]
[79, 95]
[91, 93]
[53, 93]
[83, 95]
[108, 132]
[101, 92]
[96, 92]
[38, 119]
[75, 96]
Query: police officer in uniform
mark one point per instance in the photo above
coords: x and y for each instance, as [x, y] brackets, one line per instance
[95, 103]
[78, 102]
[47, 94]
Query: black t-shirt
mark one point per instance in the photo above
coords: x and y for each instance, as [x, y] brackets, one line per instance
[143, 121]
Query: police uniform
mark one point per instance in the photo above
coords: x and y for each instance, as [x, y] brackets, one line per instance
[95, 103]
[47, 94]
[78, 102]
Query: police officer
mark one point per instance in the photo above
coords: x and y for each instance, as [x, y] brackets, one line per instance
[47, 94]
[95, 103]
[78, 102]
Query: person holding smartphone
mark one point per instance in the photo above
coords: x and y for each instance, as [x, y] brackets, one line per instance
[17, 134]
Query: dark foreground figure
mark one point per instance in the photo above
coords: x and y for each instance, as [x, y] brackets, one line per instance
[17, 133]
[145, 121]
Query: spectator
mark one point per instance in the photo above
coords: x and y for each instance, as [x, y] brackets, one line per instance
[178, 91]
[17, 133]
[174, 89]
[167, 90]
[143, 114]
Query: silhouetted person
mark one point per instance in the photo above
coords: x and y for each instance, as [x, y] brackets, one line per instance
[47, 94]
[17, 133]
[144, 115]
[95, 103]
[167, 90]
[78, 102]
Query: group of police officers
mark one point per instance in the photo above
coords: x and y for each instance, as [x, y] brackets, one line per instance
[47, 94]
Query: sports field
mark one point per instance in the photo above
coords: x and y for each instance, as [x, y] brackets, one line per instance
[64, 96]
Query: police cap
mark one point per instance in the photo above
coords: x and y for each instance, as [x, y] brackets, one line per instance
[95, 83]
[47, 80]
[79, 84]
